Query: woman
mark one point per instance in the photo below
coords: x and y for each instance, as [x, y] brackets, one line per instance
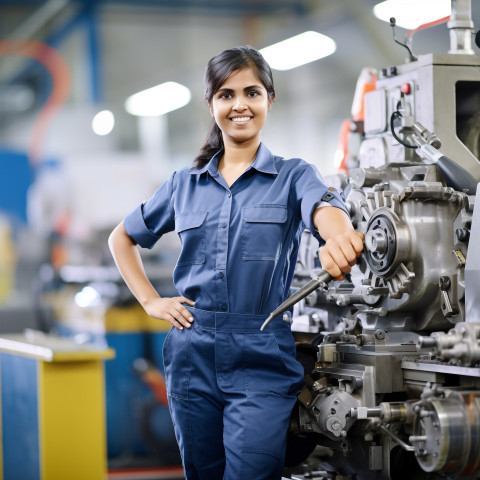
[240, 212]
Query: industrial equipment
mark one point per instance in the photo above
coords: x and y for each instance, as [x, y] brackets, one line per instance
[393, 372]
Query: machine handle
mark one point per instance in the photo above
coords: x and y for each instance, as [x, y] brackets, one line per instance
[322, 278]
[456, 176]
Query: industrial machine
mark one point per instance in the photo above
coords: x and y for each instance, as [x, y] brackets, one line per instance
[393, 369]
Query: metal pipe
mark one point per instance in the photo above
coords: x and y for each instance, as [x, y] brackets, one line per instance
[39, 19]
[461, 27]
[28, 30]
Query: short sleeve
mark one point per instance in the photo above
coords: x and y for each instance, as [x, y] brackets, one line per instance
[311, 191]
[153, 218]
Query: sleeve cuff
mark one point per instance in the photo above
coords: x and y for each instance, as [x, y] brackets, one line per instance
[313, 200]
[135, 227]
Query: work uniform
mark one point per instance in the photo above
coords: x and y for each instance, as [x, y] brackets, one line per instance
[231, 387]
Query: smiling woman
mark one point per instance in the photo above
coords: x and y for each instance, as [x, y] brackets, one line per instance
[239, 212]
[240, 107]
[220, 69]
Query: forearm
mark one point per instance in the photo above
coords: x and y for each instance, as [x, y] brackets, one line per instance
[331, 222]
[130, 265]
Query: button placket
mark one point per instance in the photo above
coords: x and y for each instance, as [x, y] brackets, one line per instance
[222, 250]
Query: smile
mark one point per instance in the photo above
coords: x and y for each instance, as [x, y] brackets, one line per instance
[240, 120]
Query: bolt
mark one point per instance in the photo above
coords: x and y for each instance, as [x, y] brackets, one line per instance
[426, 414]
[462, 234]
[335, 425]
[380, 334]
[444, 283]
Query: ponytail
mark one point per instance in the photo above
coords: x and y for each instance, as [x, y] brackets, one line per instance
[213, 144]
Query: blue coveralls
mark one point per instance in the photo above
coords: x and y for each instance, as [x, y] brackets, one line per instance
[231, 387]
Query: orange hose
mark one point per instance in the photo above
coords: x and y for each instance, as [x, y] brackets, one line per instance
[61, 77]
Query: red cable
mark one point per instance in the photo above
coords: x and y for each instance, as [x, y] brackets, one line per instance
[428, 25]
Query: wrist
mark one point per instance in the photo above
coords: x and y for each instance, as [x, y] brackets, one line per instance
[147, 301]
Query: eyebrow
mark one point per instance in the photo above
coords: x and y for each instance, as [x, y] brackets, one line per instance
[229, 90]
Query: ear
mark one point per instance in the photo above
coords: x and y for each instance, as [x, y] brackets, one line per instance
[271, 99]
[210, 107]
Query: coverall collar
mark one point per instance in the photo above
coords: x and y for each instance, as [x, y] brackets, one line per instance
[264, 162]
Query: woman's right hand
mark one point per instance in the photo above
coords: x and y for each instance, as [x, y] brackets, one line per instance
[170, 309]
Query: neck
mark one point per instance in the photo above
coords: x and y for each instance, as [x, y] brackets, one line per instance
[240, 154]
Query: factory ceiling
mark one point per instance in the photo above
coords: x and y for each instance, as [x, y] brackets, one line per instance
[114, 48]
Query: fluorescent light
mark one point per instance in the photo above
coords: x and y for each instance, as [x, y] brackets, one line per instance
[103, 122]
[158, 100]
[298, 50]
[410, 14]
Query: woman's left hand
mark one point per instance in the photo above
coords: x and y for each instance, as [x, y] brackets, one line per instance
[341, 252]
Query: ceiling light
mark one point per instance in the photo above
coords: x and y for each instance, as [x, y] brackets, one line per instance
[298, 50]
[103, 122]
[87, 297]
[410, 14]
[158, 100]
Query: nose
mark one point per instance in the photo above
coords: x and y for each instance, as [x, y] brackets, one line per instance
[239, 106]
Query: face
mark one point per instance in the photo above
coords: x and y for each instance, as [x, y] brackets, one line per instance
[240, 107]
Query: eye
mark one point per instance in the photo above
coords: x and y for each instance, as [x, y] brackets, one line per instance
[225, 96]
[253, 94]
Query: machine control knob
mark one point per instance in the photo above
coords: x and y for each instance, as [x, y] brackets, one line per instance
[406, 89]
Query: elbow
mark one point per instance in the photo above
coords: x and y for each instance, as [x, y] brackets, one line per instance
[111, 241]
[112, 238]
[118, 237]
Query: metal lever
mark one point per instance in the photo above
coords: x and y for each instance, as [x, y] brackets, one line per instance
[447, 308]
[454, 174]
[393, 23]
[321, 279]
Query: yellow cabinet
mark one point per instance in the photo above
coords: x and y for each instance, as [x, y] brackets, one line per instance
[52, 409]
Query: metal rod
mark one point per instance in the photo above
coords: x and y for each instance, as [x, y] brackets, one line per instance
[405, 446]
[321, 279]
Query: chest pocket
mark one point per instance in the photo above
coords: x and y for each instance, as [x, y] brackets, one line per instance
[192, 231]
[262, 231]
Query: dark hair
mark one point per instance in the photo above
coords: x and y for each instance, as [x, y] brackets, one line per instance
[219, 68]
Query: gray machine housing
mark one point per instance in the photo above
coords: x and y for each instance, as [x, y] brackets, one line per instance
[395, 386]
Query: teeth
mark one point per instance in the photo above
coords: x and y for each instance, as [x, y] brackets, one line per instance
[240, 119]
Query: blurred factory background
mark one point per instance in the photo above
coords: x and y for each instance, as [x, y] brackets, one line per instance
[65, 182]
